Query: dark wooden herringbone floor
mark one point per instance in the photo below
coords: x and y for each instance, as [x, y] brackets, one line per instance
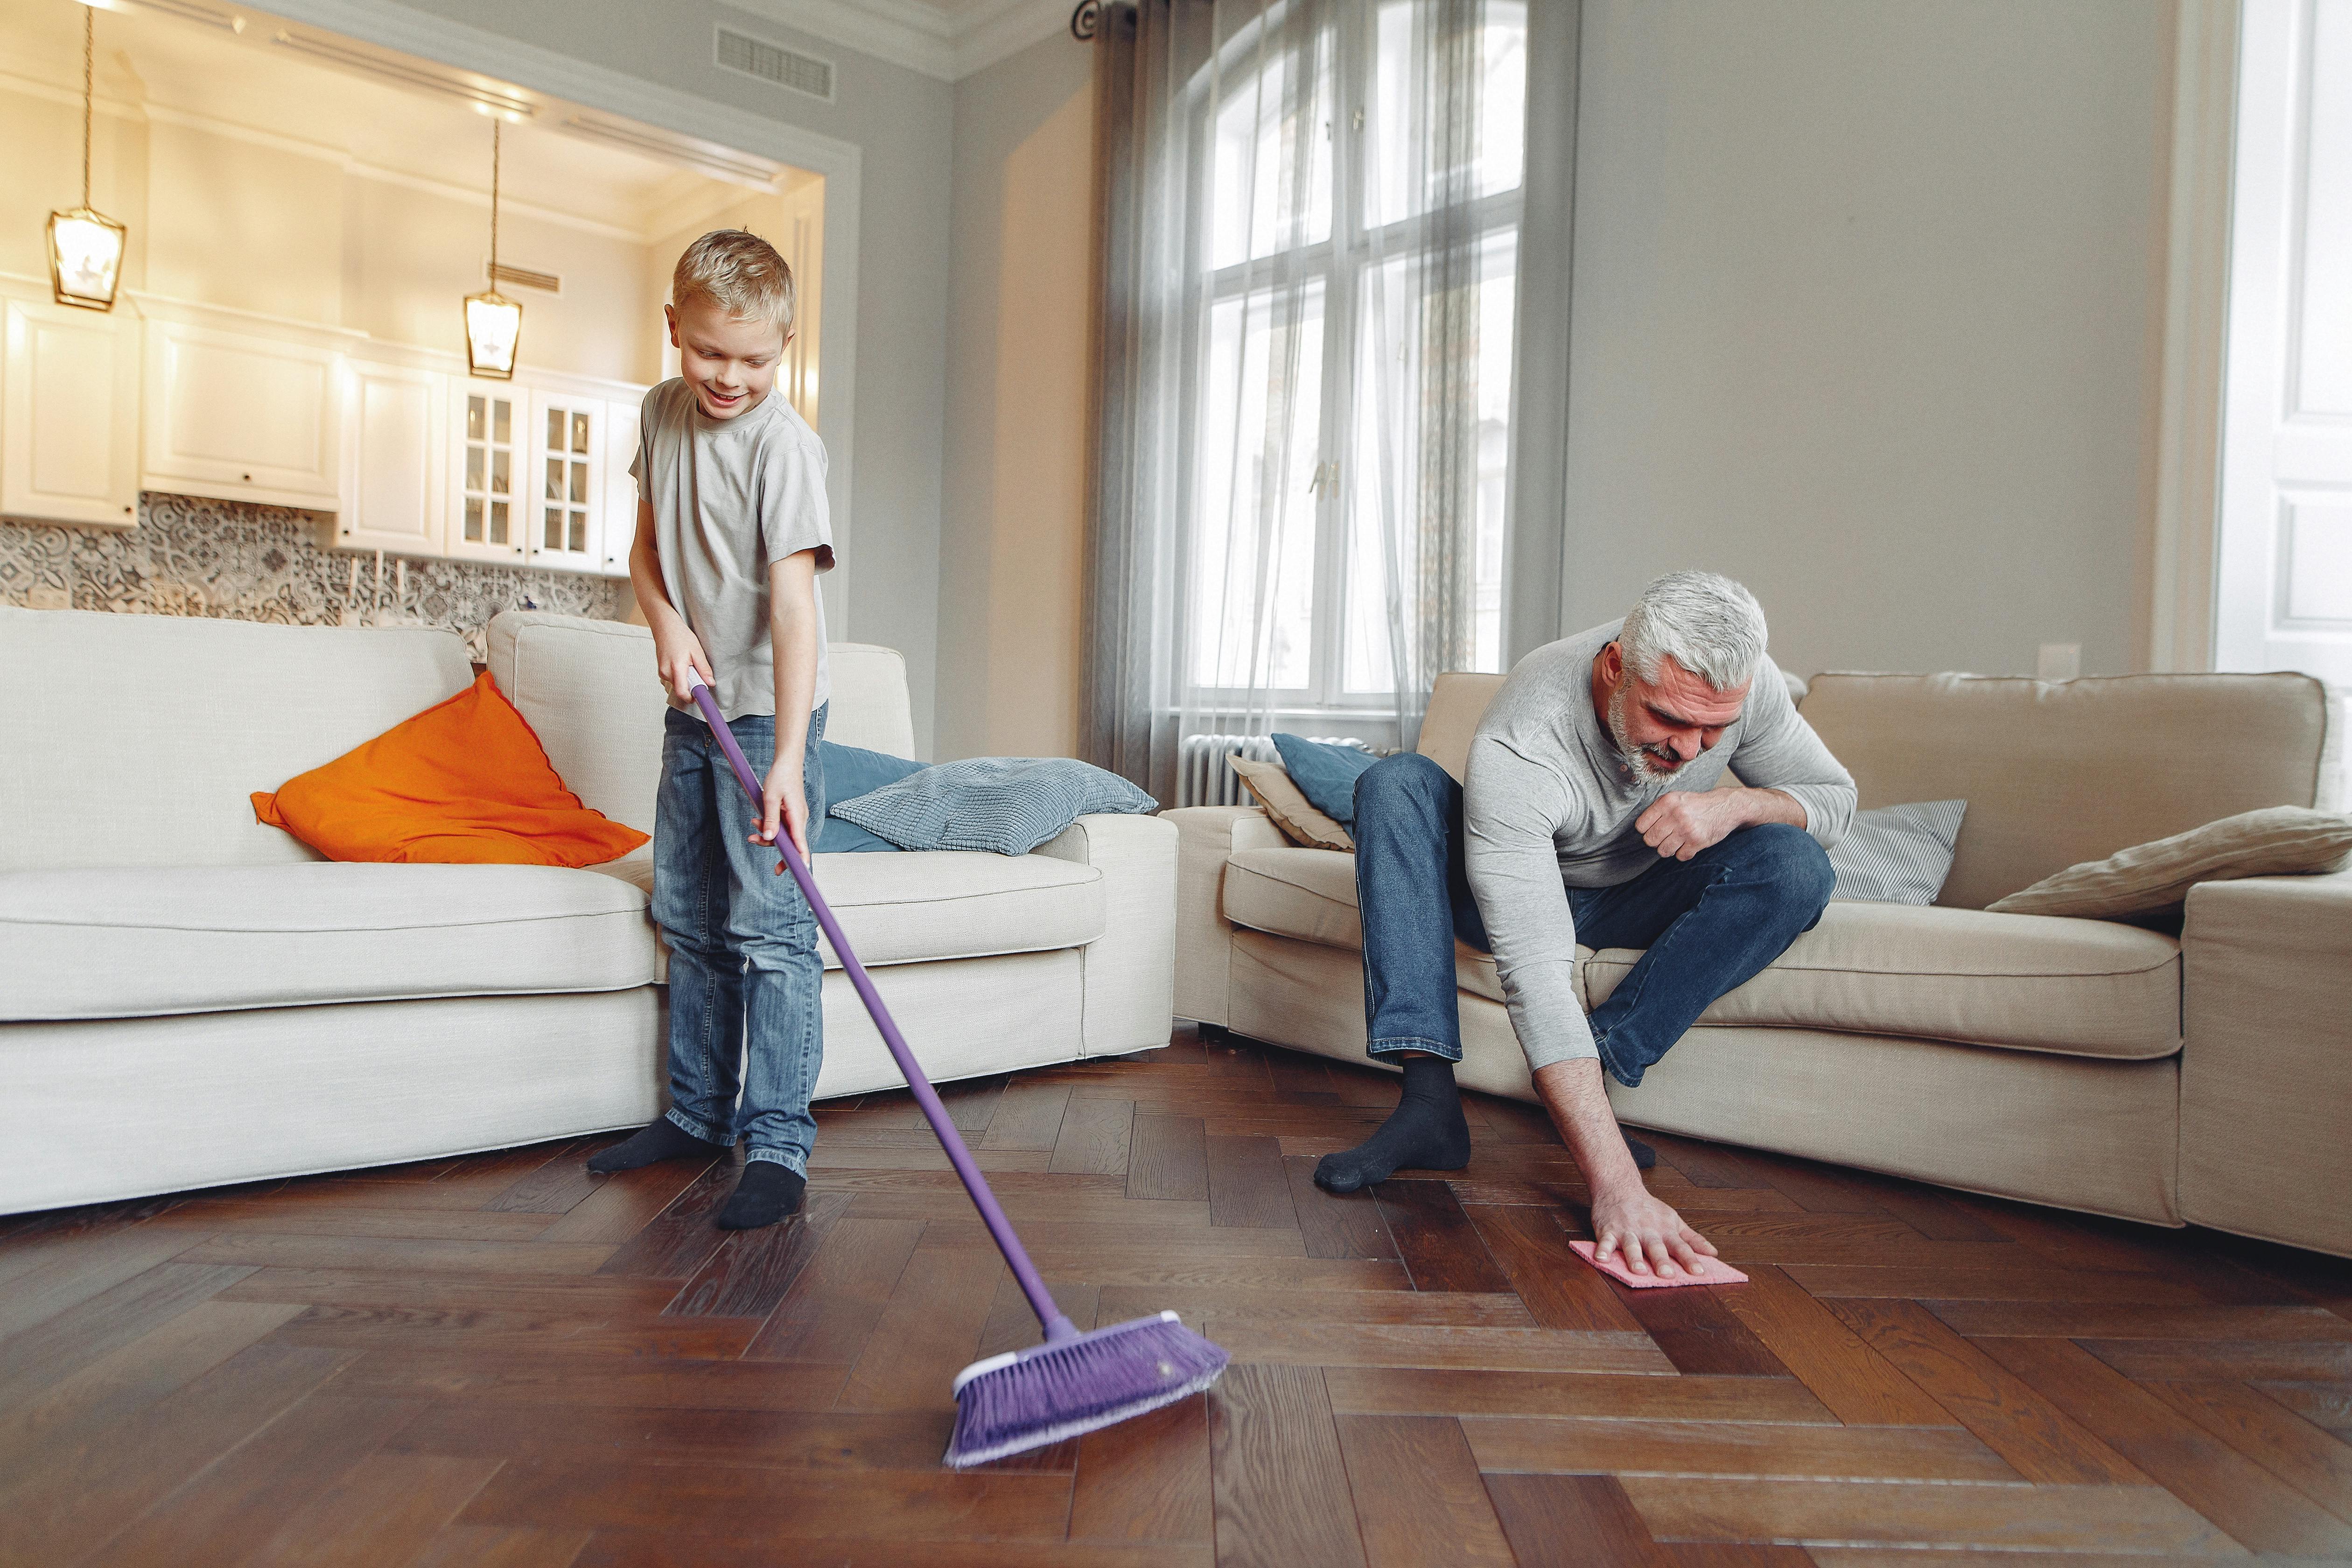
[499, 1360]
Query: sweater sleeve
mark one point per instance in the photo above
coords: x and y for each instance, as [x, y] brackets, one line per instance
[1511, 810]
[1779, 750]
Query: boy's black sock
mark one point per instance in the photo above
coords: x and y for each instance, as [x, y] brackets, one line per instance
[766, 1194]
[1426, 1131]
[658, 1140]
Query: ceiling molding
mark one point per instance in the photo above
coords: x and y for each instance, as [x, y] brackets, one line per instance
[930, 38]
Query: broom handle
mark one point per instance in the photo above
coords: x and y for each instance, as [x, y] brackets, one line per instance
[1056, 1324]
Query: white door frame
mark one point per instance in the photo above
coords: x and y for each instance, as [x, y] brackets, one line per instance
[391, 26]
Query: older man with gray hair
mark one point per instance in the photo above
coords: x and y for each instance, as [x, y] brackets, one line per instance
[1598, 809]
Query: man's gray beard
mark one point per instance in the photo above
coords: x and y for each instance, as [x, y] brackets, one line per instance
[1638, 762]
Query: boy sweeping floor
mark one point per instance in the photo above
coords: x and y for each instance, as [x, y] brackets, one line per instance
[732, 529]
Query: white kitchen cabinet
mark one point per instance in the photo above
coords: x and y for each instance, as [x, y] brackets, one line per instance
[490, 428]
[241, 416]
[397, 454]
[566, 469]
[70, 414]
[620, 485]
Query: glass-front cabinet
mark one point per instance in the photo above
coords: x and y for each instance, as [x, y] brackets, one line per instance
[567, 477]
[485, 522]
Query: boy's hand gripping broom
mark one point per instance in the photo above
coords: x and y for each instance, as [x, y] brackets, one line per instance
[1073, 1383]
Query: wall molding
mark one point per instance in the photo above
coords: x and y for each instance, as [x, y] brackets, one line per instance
[920, 36]
[2183, 529]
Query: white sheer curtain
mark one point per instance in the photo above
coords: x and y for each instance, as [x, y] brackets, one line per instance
[1311, 215]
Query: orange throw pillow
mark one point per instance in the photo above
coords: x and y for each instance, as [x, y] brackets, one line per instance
[464, 783]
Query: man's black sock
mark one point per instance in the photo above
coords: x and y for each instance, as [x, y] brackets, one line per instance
[658, 1140]
[1644, 1157]
[1426, 1131]
[766, 1192]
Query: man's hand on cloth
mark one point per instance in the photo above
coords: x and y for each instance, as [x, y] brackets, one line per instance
[1646, 1233]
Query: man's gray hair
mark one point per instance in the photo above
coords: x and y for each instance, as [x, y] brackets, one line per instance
[1707, 623]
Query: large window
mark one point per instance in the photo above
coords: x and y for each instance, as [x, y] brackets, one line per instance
[1361, 239]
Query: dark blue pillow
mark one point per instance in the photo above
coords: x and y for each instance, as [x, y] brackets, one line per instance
[850, 772]
[1009, 804]
[1325, 774]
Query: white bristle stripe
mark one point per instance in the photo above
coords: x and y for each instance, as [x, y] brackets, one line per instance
[999, 1363]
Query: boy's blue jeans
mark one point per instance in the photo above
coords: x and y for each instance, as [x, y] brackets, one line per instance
[745, 975]
[1709, 922]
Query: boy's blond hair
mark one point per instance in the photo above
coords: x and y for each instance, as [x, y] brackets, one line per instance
[740, 273]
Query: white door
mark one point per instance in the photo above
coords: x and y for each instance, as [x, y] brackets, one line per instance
[242, 417]
[2284, 592]
[70, 415]
[487, 518]
[395, 459]
[565, 480]
[620, 488]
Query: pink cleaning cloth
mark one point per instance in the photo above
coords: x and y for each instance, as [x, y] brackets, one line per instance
[1712, 1271]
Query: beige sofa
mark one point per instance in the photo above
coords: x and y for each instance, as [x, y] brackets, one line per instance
[2085, 1064]
[188, 999]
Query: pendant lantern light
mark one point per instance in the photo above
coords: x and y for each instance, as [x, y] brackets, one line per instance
[85, 245]
[493, 321]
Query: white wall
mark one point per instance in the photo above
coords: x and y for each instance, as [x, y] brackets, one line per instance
[900, 121]
[1863, 293]
[1020, 346]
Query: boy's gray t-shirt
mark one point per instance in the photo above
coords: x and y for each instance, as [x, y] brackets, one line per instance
[730, 497]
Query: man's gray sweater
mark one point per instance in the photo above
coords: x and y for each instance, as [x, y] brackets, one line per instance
[1549, 804]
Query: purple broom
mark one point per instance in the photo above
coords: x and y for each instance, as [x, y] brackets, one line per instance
[1075, 1381]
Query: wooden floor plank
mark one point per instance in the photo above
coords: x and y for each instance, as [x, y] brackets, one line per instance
[379, 1514]
[397, 1255]
[1248, 1188]
[1699, 1334]
[555, 1378]
[2207, 1474]
[2305, 1457]
[1146, 1479]
[1093, 1138]
[39, 1356]
[2103, 1321]
[2255, 1359]
[1561, 1290]
[1732, 1448]
[1394, 1391]
[658, 1548]
[751, 1270]
[1440, 1246]
[1437, 1345]
[830, 1311]
[1028, 1116]
[1443, 1515]
[228, 1510]
[2327, 1406]
[485, 1546]
[1279, 1479]
[929, 1332]
[1574, 1518]
[1965, 1282]
[1168, 1158]
[68, 1270]
[1827, 1356]
[785, 1439]
[1500, 1310]
[1906, 1513]
[678, 1241]
[2014, 1420]
[1334, 1225]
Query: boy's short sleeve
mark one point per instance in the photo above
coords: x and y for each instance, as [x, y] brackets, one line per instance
[795, 514]
[641, 462]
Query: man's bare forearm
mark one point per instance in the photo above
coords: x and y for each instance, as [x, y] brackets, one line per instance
[1762, 806]
[1573, 1093]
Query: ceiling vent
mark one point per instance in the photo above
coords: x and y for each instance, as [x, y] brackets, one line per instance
[523, 277]
[774, 64]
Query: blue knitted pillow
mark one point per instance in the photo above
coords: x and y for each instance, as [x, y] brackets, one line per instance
[1325, 774]
[1010, 804]
[850, 772]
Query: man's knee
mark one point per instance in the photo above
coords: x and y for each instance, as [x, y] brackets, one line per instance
[1796, 865]
[1406, 782]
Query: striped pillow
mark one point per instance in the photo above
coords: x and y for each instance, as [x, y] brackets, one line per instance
[1009, 804]
[1897, 854]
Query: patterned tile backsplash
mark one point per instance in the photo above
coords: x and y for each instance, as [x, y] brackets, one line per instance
[235, 561]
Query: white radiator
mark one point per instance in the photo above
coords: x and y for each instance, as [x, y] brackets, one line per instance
[1203, 777]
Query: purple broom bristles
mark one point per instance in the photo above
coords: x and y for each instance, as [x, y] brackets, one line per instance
[1027, 1399]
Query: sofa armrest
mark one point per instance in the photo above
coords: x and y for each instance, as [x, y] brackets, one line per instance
[2266, 1064]
[1208, 836]
[1130, 969]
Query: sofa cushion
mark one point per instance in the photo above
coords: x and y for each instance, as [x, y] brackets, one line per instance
[119, 944]
[921, 905]
[2027, 982]
[1311, 894]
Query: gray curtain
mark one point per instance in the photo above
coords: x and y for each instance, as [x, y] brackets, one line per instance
[1308, 498]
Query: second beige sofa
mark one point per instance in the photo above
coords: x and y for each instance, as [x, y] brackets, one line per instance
[2024, 1056]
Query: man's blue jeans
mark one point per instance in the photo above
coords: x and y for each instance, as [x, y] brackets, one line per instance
[1709, 922]
[744, 971]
